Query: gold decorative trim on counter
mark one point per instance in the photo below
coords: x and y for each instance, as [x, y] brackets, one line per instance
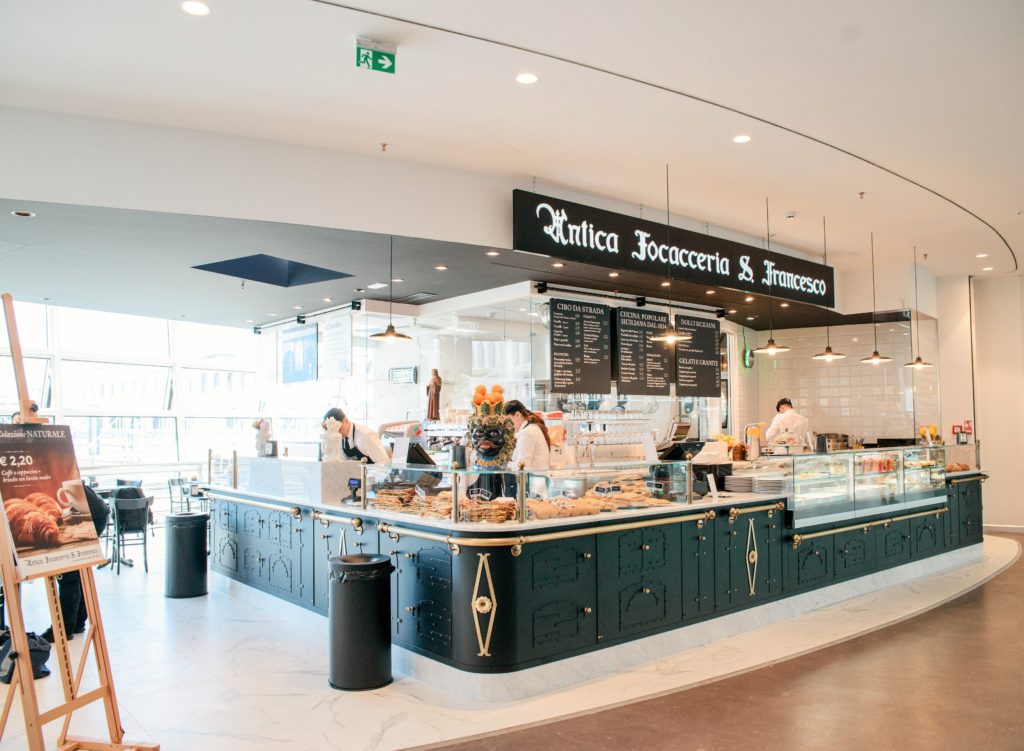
[962, 480]
[751, 558]
[771, 508]
[329, 519]
[294, 511]
[866, 526]
[484, 605]
[516, 543]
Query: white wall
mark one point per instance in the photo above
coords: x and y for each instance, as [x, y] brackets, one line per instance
[956, 372]
[999, 351]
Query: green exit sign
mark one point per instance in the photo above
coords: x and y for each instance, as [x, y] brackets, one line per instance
[376, 55]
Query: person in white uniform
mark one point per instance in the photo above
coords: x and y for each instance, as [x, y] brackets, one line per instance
[533, 446]
[359, 442]
[788, 420]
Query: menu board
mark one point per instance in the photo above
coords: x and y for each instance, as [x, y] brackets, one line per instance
[581, 345]
[643, 367]
[698, 359]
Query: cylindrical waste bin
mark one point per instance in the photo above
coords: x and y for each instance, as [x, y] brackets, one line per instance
[359, 622]
[185, 574]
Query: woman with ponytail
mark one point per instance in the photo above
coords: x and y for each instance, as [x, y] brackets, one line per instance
[533, 446]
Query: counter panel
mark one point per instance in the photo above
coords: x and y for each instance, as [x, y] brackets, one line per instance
[499, 607]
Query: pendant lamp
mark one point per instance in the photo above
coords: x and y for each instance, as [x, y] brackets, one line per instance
[670, 335]
[917, 363]
[771, 348]
[875, 359]
[828, 355]
[389, 334]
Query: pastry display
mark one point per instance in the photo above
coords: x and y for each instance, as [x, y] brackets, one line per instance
[958, 467]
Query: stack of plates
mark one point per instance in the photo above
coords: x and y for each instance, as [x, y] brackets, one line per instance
[779, 485]
[739, 483]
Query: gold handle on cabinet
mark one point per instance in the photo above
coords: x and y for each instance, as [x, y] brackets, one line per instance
[587, 611]
[645, 548]
[646, 590]
[701, 538]
[588, 556]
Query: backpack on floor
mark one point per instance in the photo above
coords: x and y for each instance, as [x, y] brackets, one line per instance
[38, 650]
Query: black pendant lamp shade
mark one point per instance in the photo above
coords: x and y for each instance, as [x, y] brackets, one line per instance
[771, 348]
[917, 363]
[670, 335]
[390, 334]
[828, 355]
[875, 358]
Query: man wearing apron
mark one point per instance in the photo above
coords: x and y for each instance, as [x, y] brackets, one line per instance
[358, 442]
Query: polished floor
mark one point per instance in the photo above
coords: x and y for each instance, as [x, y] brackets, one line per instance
[951, 678]
[239, 670]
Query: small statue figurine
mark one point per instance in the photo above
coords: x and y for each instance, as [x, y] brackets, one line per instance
[434, 396]
[330, 443]
[492, 436]
[262, 427]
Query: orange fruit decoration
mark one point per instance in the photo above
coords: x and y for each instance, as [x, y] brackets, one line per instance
[480, 389]
[497, 389]
[478, 399]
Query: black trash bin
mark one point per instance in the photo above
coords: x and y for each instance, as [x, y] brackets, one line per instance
[359, 622]
[185, 574]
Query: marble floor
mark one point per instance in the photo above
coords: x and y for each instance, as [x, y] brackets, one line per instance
[241, 670]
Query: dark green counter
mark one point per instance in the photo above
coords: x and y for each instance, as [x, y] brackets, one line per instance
[506, 607]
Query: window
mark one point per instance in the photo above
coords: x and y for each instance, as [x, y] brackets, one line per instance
[210, 346]
[222, 434]
[37, 376]
[120, 440]
[112, 387]
[32, 327]
[211, 392]
[112, 334]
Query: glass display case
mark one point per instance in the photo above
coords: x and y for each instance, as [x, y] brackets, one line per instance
[500, 497]
[845, 485]
[963, 457]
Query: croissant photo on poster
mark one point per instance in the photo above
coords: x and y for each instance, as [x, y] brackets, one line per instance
[45, 507]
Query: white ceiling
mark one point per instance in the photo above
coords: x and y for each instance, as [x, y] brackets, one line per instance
[930, 91]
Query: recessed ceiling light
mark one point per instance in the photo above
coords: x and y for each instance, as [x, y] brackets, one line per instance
[666, 284]
[22, 213]
[195, 8]
[296, 307]
[709, 292]
[398, 279]
[522, 310]
[493, 253]
[182, 315]
[557, 265]
[784, 305]
[360, 289]
[527, 78]
[271, 314]
[732, 310]
[982, 255]
[751, 318]
[327, 299]
[987, 268]
[376, 285]
[441, 268]
[613, 274]
[250, 320]
[748, 298]
[742, 138]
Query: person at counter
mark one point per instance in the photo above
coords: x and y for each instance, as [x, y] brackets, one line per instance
[533, 446]
[788, 420]
[357, 441]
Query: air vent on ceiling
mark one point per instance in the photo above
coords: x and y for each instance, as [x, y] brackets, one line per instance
[415, 297]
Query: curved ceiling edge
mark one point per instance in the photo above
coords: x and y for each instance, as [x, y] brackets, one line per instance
[668, 89]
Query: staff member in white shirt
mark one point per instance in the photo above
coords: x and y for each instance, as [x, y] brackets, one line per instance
[533, 446]
[359, 442]
[788, 420]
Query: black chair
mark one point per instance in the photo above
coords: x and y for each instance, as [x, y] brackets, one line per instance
[131, 522]
[178, 489]
[128, 483]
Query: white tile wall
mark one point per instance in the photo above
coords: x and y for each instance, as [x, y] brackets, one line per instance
[846, 396]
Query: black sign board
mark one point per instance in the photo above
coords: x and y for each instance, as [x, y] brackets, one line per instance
[581, 348]
[698, 359]
[643, 367]
[541, 224]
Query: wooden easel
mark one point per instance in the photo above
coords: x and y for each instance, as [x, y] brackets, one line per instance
[22, 682]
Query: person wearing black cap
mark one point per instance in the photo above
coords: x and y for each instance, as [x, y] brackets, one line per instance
[358, 442]
[788, 420]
